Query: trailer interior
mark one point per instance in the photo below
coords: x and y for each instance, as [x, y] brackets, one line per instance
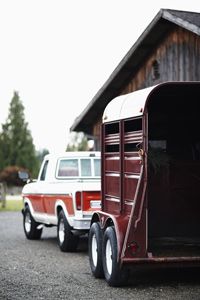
[173, 192]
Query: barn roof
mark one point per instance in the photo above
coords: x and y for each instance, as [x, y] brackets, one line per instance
[160, 25]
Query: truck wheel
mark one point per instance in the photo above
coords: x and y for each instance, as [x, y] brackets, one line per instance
[31, 226]
[67, 241]
[95, 250]
[114, 275]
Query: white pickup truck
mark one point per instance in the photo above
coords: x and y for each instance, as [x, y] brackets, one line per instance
[65, 194]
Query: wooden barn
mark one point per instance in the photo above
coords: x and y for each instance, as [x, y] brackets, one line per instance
[168, 50]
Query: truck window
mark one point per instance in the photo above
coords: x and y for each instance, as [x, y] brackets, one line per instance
[86, 167]
[68, 168]
[79, 167]
[44, 170]
[97, 168]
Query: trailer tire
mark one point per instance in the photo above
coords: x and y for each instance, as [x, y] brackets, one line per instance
[30, 225]
[67, 241]
[95, 250]
[114, 275]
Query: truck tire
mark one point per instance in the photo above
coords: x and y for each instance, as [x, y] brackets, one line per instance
[67, 241]
[114, 275]
[95, 250]
[31, 226]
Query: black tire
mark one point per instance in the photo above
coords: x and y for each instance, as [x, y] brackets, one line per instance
[67, 241]
[31, 226]
[114, 275]
[95, 250]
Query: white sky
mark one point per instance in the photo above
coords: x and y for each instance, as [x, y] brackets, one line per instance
[58, 53]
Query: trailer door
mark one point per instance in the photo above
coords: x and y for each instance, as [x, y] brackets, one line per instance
[134, 186]
[131, 157]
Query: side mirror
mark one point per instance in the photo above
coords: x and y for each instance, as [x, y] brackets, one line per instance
[23, 175]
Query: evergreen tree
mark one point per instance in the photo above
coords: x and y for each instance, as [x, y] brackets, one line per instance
[16, 143]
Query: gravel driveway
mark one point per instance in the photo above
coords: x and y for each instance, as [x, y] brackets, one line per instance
[39, 270]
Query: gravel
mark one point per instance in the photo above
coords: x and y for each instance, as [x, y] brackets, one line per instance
[39, 270]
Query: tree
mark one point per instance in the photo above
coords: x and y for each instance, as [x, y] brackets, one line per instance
[16, 143]
[78, 142]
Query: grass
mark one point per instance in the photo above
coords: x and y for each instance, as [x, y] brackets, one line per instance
[12, 205]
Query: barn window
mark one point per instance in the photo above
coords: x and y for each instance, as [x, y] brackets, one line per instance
[156, 71]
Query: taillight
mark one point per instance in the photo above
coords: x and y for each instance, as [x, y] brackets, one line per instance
[91, 200]
[78, 200]
[133, 247]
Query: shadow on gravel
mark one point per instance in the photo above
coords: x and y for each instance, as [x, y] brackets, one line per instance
[165, 277]
[52, 242]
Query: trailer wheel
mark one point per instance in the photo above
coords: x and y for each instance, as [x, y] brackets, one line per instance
[114, 275]
[67, 241]
[95, 250]
[30, 225]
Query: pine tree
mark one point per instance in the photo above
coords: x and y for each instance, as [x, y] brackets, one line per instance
[16, 143]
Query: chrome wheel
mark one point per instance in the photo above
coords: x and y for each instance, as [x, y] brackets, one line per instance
[94, 250]
[27, 222]
[114, 274]
[108, 253]
[61, 231]
[67, 241]
[32, 229]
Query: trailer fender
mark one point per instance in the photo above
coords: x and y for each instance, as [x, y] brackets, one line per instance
[118, 222]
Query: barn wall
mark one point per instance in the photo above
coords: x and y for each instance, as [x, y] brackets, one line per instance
[177, 58]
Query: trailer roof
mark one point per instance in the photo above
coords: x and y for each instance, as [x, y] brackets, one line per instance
[134, 104]
[126, 106]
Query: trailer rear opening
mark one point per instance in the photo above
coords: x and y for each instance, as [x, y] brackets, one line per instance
[173, 191]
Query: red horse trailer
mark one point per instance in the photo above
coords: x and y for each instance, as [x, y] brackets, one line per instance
[150, 182]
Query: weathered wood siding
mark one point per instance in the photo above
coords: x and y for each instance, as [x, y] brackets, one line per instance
[176, 58]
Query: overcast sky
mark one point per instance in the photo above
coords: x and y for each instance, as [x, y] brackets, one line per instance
[58, 53]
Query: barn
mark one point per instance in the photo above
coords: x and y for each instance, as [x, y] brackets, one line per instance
[168, 50]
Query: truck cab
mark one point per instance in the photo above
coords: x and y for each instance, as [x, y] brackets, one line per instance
[65, 194]
[150, 182]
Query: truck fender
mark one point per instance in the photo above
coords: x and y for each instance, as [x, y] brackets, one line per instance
[28, 203]
[61, 205]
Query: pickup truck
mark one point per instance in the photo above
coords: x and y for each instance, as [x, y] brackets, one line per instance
[65, 194]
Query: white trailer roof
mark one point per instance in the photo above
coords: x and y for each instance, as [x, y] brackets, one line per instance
[125, 106]
[134, 104]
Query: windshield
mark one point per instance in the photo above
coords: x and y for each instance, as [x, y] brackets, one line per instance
[79, 167]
